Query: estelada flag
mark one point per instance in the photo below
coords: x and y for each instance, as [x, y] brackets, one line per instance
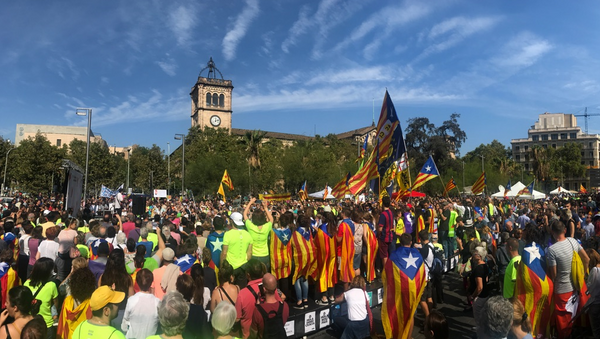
[326, 191]
[325, 254]
[303, 193]
[227, 181]
[450, 186]
[71, 317]
[479, 185]
[281, 253]
[527, 190]
[372, 247]
[534, 289]
[214, 242]
[404, 282]
[186, 262]
[8, 280]
[347, 254]
[507, 189]
[304, 256]
[582, 189]
[428, 172]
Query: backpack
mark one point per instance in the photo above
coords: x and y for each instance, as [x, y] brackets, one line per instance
[437, 266]
[272, 326]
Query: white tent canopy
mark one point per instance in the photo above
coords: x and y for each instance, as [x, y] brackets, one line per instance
[561, 190]
[319, 194]
[514, 191]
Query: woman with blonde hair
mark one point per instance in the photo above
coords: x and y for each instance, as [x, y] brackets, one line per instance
[521, 326]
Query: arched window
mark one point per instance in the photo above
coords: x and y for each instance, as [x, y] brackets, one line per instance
[208, 97]
[221, 100]
[215, 100]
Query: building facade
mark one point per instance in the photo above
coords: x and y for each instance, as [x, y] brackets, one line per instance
[554, 130]
[57, 135]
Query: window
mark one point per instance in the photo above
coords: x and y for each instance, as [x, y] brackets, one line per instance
[58, 142]
[518, 157]
[535, 137]
[591, 154]
[215, 100]
[582, 154]
[563, 135]
[567, 186]
[592, 163]
[572, 135]
[582, 162]
[526, 148]
[545, 146]
[208, 99]
[527, 167]
[554, 146]
[221, 100]
[590, 145]
[526, 157]
[544, 137]
[517, 148]
[554, 136]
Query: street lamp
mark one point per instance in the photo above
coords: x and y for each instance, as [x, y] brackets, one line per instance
[182, 138]
[86, 112]
[168, 167]
[128, 157]
[6, 168]
[482, 168]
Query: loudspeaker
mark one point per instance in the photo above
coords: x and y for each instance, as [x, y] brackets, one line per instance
[139, 204]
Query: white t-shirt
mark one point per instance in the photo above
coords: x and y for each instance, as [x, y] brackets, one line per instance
[141, 316]
[48, 249]
[24, 244]
[356, 299]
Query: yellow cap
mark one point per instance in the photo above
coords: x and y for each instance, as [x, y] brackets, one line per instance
[103, 296]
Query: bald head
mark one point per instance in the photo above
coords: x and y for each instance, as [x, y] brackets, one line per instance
[269, 283]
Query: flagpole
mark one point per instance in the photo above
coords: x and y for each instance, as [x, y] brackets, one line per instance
[439, 174]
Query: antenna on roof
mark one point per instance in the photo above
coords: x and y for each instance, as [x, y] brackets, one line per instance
[373, 123]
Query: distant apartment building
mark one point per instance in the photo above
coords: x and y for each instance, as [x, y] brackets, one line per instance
[57, 135]
[554, 130]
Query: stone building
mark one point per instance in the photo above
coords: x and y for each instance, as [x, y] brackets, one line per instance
[57, 135]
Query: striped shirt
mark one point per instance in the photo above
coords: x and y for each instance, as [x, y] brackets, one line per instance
[386, 222]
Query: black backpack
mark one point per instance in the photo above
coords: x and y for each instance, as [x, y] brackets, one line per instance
[273, 326]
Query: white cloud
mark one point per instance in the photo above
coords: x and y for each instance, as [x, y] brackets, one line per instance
[370, 74]
[299, 27]
[169, 66]
[523, 51]
[182, 21]
[240, 27]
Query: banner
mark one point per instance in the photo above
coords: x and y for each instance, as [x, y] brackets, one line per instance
[275, 197]
[160, 193]
[74, 191]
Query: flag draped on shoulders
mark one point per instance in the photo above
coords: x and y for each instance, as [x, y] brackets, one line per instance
[8, 280]
[479, 185]
[347, 252]
[325, 255]
[404, 281]
[186, 262]
[534, 289]
[304, 257]
[372, 247]
[428, 172]
[280, 249]
[214, 242]
[71, 317]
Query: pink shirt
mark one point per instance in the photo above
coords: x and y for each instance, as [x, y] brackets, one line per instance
[245, 305]
[128, 227]
[66, 240]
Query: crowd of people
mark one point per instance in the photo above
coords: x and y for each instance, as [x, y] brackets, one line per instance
[214, 269]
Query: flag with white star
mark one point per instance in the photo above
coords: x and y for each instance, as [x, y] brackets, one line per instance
[534, 288]
[214, 242]
[428, 172]
[186, 262]
[404, 282]
[8, 280]
[280, 249]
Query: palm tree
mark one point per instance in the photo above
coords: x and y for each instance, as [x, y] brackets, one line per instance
[253, 140]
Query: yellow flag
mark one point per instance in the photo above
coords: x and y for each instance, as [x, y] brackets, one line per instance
[221, 191]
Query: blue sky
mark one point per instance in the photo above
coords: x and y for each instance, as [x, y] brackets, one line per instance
[298, 65]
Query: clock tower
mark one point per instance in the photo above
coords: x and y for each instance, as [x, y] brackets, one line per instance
[211, 99]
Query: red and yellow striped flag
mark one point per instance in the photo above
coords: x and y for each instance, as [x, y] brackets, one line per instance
[479, 185]
[450, 186]
[347, 257]
[325, 253]
[369, 171]
[8, 280]
[372, 247]
[341, 188]
[304, 257]
[227, 181]
[582, 189]
[275, 197]
[404, 281]
[280, 249]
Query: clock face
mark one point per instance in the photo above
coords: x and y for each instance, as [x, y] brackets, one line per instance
[215, 120]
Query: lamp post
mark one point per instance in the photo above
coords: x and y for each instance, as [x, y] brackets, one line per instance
[182, 138]
[168, 167]
[86, 112]
[6, 168]
[482, 168]
[128, 157]
[463, 163]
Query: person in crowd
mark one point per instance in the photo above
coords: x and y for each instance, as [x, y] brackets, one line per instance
[250, 295]
[145, 242]
[210, 277]
[23, 260]
[104, 304]
[116, 275]
[227, 290]
[357, 323]
[173, 313]
[129, 225]
[223, 320]
[478, 284]
[77, 263]
[593, 284]
[44, 289]
[521, 326]
[49, 248]
[51, 219]
[201, 293]
[197, 323]
[559, 261]
[165, 277]
[214, 241]
[358, 241]
[140, 319]
[427, 252]
[35, 329]
[510, 275]
[18, 307]
[237, 248]
[76, 306]
[259, 226]
[33, 244]
[496, 318]
[271, 315]
[436, 326]
[66, 242]
[98, 265]
[385, 228]
[344, 247]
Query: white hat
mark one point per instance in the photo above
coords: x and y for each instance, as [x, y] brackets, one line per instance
[237, 219]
